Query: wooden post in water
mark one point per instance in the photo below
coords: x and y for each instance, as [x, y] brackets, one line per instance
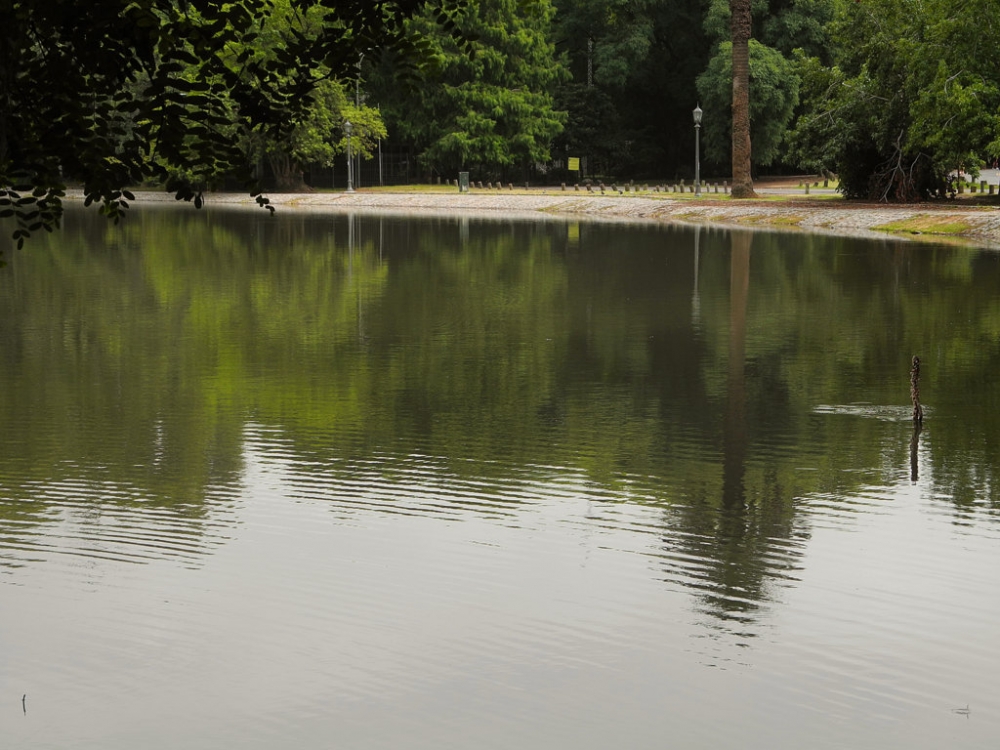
[918, 412]
[918, 418]
[914, 452]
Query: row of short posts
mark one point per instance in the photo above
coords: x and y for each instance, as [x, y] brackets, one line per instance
[983, 186]
[633, 189]
[826, 184]
[489, 185]
[679, 187]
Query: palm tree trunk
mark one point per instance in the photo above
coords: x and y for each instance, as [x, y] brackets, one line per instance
[740, 27]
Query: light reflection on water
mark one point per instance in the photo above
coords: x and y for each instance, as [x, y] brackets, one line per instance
[480, 489]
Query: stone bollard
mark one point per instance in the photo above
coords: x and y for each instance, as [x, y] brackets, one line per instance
[991, 189]
[807, 188]
[576, 187]
[715, 188]
[972, 187]
[563, 185]
[725, 187]
[510, 185]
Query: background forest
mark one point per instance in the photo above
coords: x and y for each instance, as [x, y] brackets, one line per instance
[891, 95]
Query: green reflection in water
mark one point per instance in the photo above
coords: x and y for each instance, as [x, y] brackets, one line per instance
[724, 377]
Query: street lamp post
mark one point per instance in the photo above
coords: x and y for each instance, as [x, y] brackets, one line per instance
[350, 178]
[697, 151]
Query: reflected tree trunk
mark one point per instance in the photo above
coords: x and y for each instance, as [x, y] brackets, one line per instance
[734, 436]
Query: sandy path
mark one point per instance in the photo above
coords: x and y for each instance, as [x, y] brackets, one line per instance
[977, 224]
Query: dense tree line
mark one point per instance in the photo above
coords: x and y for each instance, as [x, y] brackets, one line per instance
[911, 93]
[183, 91]
[893, 95]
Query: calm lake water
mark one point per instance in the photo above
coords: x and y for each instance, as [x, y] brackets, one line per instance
[378, 481]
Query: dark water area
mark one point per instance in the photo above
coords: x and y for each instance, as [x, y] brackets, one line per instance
[389, 481]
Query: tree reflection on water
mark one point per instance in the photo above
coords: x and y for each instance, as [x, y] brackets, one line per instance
[133, 360]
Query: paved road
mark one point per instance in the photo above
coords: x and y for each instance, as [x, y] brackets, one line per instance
[992, 176]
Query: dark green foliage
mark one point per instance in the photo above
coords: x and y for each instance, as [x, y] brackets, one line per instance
[785, 25]
[914, 96]
[774, 87]
[116, 92]
[644, 56]
[491, 112]
[591, 116]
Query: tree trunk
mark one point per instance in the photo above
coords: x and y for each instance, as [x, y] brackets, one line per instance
[740, 27]
[288, 176]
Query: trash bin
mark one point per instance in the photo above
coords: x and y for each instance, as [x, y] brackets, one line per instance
[463, 182]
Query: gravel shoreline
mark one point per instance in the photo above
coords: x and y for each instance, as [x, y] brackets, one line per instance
[979, 225]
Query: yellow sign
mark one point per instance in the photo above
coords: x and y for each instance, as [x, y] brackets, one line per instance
[574, 164]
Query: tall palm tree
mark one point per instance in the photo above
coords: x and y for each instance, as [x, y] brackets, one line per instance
[740, 27]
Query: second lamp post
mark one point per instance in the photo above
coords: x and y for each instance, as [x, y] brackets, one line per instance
[697, 151]
[350, 181]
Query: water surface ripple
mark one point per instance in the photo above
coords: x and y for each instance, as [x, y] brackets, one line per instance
[377, 481]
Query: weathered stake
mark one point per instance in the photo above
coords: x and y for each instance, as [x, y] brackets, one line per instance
[918, 412]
